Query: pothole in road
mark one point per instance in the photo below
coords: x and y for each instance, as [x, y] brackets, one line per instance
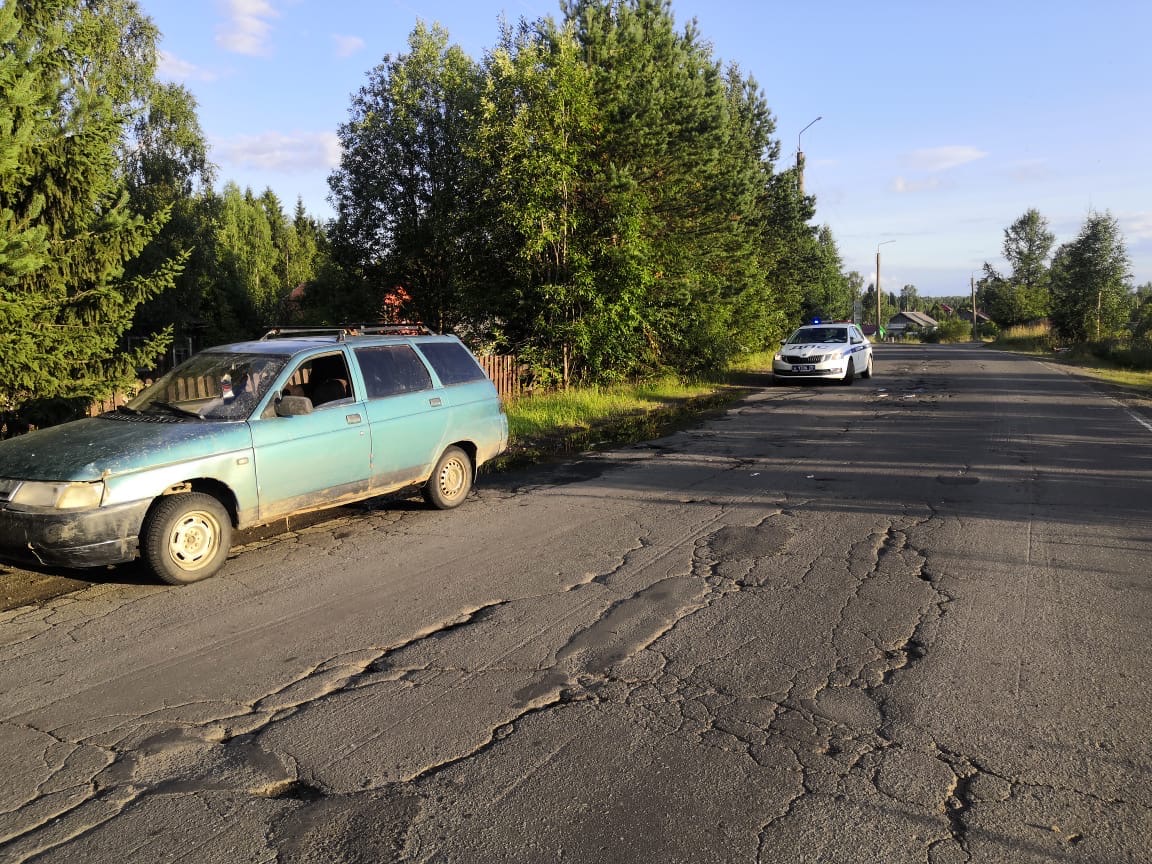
[749, 541]
[182, 761]
[365, 826]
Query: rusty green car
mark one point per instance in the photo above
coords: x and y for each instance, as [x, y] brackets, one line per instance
[243, 435]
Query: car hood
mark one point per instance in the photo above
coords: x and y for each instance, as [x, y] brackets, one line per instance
[808, 349]
[98, 447]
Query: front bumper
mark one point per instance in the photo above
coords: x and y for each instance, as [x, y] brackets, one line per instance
[63, 538]
[834, 371]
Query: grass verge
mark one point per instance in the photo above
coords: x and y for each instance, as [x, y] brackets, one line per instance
[1036, 341]
[584, 418]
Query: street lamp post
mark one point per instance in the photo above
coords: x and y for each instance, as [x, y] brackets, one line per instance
[878, 245]
[800, 158]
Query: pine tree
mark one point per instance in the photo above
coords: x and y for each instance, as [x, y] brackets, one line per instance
[72, 76]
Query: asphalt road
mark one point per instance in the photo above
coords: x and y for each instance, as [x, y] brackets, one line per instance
[905, 621]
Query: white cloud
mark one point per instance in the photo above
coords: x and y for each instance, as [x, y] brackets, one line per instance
[1137, 226]
[174, 69]
[346, 46]
[943, 158]
[247, 28]
[902, 185]
[295, 153]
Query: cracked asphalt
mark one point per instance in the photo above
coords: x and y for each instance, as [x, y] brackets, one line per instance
[905, 621]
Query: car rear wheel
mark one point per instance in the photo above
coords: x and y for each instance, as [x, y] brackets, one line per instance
[186, 538]
[451, 480]
[849, 374]
[867, 373]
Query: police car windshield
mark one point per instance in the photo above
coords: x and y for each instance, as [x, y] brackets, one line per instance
[819, 334]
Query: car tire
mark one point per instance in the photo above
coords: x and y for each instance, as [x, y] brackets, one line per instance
[186, 537]
[849, 374]
[451, 480]
[867, 373]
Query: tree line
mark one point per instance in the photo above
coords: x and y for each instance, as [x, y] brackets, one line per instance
[1083, 287]
[598, 194]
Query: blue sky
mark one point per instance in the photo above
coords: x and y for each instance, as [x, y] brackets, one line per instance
[941, 122]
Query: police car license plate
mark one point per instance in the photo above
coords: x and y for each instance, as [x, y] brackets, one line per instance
[805, 368]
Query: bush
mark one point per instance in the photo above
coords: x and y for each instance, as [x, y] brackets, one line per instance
[1135, 355]
[950, 330]
[1027, 337]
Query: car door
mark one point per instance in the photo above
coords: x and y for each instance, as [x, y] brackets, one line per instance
[407, 415]
[309, 461]
[860, 348]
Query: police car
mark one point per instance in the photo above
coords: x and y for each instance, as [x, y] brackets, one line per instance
[835, 351]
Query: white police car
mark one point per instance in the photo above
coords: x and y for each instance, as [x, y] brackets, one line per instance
[834, 351]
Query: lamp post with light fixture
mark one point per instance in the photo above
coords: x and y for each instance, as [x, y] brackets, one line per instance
[878, 245]
[800, 158]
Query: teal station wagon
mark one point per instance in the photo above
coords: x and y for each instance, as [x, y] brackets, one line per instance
[245, 434]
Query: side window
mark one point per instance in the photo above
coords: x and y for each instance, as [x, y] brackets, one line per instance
[392, 369]
[453, 362]
[322, 379]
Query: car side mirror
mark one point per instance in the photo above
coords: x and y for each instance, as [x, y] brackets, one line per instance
[293, 406]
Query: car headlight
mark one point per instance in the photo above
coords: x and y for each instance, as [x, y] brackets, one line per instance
[59, 496]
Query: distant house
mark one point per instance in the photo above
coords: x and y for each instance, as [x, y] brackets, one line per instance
[905, 322]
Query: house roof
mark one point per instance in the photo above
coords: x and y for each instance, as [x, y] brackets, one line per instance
[918, 318]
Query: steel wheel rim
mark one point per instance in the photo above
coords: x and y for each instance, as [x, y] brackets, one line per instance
[194, 540]
[452, 479]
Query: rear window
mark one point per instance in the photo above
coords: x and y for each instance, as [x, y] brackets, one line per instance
[392, 369]
[452, 362]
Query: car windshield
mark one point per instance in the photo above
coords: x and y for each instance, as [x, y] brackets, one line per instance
[211, 386]
[819, 334]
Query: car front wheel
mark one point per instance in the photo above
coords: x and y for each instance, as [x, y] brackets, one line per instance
[849, 374]
[186, 537]
[451, 480]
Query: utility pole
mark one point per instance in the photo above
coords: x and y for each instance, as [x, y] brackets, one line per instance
[972, 284]
[878, 245]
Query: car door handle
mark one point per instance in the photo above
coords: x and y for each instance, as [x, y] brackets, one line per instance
[353, 419]
[435, 402]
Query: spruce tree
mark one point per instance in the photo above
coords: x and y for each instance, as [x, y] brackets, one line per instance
[73, 75]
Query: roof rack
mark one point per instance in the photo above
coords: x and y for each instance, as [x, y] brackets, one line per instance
[343, 331]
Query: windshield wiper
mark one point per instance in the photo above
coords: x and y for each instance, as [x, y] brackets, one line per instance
[177, 410]
[124, 409]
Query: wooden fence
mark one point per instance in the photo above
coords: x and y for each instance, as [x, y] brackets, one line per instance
[505, 373]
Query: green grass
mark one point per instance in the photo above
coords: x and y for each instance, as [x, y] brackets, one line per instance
[1026, 339]
[1036, 339]
[1138, 379]
[581, 408]
[581, 418]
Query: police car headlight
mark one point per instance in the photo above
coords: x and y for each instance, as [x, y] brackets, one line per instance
[59, 496]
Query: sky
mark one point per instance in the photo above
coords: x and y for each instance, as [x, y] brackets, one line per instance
[940, 122]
